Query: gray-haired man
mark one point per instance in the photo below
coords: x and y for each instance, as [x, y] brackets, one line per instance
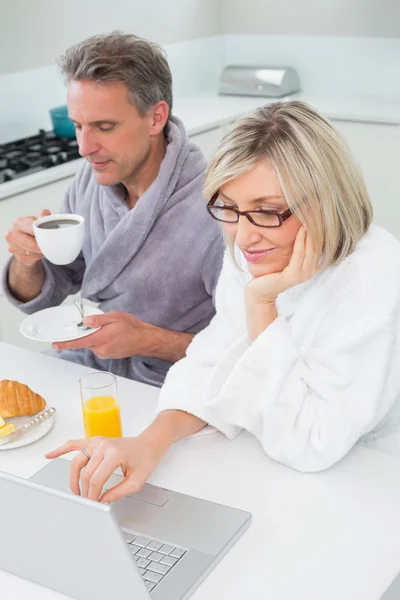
[151, 255]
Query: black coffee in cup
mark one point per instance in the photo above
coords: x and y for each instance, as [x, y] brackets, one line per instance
[58, 224]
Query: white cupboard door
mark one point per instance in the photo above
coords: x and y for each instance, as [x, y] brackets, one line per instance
[29, 203]
[208, 141]
[376, 148]
[10, 320]
[25, 204]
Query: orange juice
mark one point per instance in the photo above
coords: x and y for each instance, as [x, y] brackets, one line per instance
[101, 417]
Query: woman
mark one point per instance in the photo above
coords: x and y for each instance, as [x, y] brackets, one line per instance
[304, 350]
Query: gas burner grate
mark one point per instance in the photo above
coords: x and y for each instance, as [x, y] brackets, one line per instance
[35, 153]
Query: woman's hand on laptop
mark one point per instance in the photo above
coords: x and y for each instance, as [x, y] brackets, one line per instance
[137, 457]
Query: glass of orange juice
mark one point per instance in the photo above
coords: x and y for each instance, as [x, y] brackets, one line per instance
[100, 407]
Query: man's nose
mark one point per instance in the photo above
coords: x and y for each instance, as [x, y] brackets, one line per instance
[87, 143]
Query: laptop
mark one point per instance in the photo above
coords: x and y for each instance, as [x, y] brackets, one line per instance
[156, 544]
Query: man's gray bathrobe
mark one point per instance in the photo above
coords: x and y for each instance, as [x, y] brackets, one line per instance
[159, 261]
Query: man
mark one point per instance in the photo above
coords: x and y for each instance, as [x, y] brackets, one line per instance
[151, 255]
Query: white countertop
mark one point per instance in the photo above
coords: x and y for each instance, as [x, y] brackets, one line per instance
[207, 110]
[333, 535]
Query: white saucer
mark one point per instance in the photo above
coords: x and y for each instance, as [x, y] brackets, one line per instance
[57, 324]
[30, 436]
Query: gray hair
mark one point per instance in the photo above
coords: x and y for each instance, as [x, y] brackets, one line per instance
[118, 57]
[319, 178]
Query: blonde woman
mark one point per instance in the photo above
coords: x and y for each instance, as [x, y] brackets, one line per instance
[304, 350]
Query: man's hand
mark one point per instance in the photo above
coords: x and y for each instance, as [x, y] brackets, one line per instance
[21, 240]
[122, 335]
[25, 275]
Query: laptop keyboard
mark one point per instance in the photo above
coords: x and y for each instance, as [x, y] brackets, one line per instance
[153, 559]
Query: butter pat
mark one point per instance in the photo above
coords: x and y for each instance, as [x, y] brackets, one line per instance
[2, 422]
[6, 429]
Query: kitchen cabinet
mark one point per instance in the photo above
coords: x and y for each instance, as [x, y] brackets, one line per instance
[208, 141]
[28, 203]
[10, 320]
[376, 148]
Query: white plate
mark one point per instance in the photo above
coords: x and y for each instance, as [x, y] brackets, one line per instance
[30, 436]
[57, 324]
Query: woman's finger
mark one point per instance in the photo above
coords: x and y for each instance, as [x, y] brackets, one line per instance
[89, 469]
[69, 446]
[101, 475]
[310, 258]
[77, 464]
[130, 485]
[296, 260]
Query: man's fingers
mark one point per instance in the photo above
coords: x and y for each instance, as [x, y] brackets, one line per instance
[25, 225]
[17, 251]
[24, 241]
[22, 235]
[22, 257]
[86, 342]
[96, 321]
[44, 213]
[101, 320]
[94, 340]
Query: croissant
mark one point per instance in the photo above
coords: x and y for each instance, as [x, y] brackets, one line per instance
[18, 400]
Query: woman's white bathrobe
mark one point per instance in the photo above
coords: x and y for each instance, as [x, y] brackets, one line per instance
[324, 375]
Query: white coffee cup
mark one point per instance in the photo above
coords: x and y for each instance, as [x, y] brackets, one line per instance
[61, 240]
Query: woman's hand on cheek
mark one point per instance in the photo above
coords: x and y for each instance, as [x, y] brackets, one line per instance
[302, 266]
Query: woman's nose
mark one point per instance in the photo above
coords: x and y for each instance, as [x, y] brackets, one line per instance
[246, 233]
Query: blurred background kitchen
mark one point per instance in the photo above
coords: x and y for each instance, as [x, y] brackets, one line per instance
[345, 53]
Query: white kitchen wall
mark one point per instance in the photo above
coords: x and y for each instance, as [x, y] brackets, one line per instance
[379, 18]
[33, 32]
[26, 96]
[327, 65]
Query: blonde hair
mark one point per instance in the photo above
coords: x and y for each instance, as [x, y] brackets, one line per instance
[319, 179]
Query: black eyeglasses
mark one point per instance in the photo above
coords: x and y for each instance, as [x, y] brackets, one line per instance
[261, 218]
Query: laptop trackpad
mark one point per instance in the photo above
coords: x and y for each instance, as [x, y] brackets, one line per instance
[131, 512]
